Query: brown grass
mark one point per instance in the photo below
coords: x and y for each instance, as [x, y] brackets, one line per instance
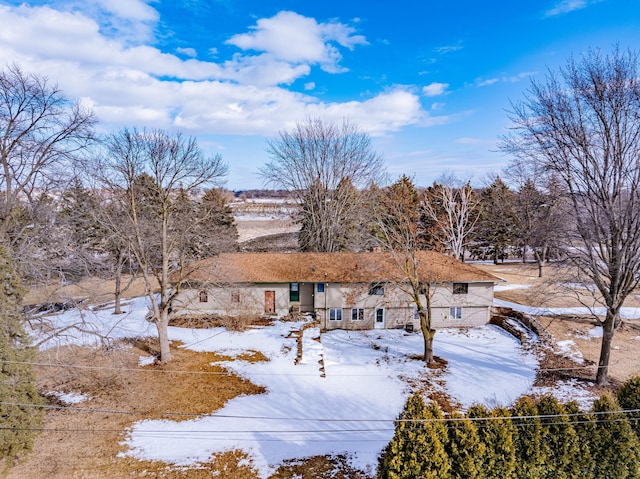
[624, 362]
[85, 445]
[99, 290]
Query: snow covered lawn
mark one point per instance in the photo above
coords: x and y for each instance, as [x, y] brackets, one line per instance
[346, 408]
[341, 398]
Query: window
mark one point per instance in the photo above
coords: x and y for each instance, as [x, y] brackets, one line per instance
[294, 292]
[204, 297]
[320, 287]
[455, 312]
[357, 314]
[335, 314]
[376, 289]
[460, 288]
[235, 296]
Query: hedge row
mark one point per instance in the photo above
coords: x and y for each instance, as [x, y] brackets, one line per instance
[536, 438]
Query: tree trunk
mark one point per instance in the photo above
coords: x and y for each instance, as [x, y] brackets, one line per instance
[541, 259]
[428, 335]
[162, 324]
[608, 328]
[117, 309]
[541, 264]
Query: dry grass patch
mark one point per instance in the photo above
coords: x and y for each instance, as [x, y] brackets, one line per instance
[230, 322]
[318, 467]
[97, 289]
[78, 444]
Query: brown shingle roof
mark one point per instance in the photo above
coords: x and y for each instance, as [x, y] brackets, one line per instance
[330, 268]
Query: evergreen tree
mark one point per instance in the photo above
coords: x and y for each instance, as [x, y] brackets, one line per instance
[496, 230]
[433, 217]
[417, 448]
[17, 380]
[629, 399]
[202, 228]
[614, 445]
[220, 233]
[78, 215]
[466, 451]
[401, 215]
[497, 433]
[528, 440]
[559, 445]
[584, 426]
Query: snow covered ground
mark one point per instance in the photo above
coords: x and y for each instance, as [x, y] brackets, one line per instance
[340, 399]
[626, 312]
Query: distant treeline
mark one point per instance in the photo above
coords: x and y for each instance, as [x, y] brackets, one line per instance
[251, 194]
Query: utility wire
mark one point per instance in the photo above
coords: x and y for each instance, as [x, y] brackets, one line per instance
[285, 418]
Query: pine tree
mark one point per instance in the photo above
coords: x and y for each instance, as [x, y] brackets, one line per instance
[584, 426]
[528, 440]
[417, 448]
[615, 446]
[17, 380]
[495, 230]
[85, 242]
[220, 233]
[559, 440]
[629, 399]
[497, 433]
[466, 451]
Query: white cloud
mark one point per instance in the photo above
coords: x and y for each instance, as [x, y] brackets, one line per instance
[448, 49]
[131, 9]
[487, 82]
[568, 6]
[309, 86]
[435, 89]
[505, 79]
[293, 38]
[140, 85]
[519, 77]
[190, 52]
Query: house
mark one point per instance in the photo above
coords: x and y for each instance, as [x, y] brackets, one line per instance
[342, 290]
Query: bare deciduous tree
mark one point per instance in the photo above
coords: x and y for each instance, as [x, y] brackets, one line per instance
[454, 214]
[398, 230]
[324, 163]
[582, 124]
[42, 135]
[541, 218]
[145, 171]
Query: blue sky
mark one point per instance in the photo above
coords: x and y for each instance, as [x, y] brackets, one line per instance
[430, 81]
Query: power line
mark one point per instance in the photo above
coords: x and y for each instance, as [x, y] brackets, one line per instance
[354, 420]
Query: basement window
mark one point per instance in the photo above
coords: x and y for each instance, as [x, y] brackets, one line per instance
[294, 292]
[455, 312]
[460, 288]
[204, 297]
[357, 314]
[335, 314]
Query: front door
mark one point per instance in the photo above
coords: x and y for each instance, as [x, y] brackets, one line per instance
[270, 302]
[379, 322]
